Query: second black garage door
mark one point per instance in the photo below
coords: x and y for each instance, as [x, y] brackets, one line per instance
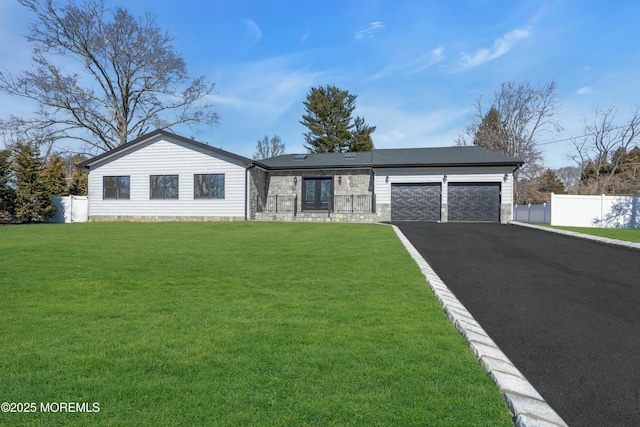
[415, 202]
[474, 201]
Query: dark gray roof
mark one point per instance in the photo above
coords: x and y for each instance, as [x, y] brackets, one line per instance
[163, 133]
[318, 161]
[393, 158]
[441, 156]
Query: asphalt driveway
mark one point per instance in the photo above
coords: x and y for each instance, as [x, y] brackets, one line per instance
[566, 311]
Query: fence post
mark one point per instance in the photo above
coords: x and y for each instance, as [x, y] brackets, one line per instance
[602, 196]
[295, 205]
[529, 213]
[373, 203]
[276, 203]
[352, 203]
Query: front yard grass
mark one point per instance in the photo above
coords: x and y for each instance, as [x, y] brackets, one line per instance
[270, 324]
[627, 234]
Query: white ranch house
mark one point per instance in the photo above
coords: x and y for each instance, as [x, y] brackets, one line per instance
[165, 177]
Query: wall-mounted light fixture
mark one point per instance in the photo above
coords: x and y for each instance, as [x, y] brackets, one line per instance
[444, 178]
[506, 177]
[386, 180]
[340, 180]
[295, 180]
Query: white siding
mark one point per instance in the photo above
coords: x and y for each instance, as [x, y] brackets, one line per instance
[165, 157]
[479, 174]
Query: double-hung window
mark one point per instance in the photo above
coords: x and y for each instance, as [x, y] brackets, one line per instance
[208, 186]
[163, 186]
[115, 187]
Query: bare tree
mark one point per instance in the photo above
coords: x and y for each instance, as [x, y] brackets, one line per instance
[606, 154]
[570, 177]
[266, 147]
[132, 79]
[510, 122]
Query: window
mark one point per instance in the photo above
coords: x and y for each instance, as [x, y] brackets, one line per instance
[115, 187]
[164, 186]
[208, 186]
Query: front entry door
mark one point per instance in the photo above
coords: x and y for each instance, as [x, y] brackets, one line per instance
[316, 193]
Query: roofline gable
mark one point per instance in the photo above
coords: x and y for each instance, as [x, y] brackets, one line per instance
[87, 164]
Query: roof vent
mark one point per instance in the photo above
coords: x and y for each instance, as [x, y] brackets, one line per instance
[300, 157]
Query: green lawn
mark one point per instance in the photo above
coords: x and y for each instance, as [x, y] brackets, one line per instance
[628, 234]
[269, 324]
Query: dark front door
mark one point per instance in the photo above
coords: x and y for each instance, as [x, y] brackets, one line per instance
[316, 193]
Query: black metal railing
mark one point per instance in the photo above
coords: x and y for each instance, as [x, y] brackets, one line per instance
[349, 203]
[352, 203]
[278, 204]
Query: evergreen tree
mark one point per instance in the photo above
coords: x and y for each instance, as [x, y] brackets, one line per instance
[33, 201]
[550, 183]
[330, 124]
[79, 182]
[361, 139]
[489, 132]
[53, 176]
[7, 192]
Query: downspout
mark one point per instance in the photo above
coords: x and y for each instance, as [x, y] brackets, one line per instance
[246, 193]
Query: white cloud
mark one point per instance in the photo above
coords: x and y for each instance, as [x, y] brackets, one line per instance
[585, 90]
[500, 47]
[400, 128]
[282, 84]
[370, 31]
[419, 64]
[253, 32]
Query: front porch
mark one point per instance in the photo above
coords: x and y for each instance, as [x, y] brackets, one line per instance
[339, 208]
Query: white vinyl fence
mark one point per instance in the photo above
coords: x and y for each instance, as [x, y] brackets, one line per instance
[71, 209]
[583, 211]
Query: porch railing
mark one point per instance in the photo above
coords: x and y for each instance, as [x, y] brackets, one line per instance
[350, 203]
[278, 204]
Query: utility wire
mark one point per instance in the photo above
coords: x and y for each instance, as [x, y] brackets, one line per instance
[574, 137]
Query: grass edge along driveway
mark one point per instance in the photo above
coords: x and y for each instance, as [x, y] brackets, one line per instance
[230, 324]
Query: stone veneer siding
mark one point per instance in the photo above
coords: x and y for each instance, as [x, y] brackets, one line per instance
[135, 218]
[357, 182]
[258, 184]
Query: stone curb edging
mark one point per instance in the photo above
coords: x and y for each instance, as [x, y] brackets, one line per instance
[528, 408]
[632, 245]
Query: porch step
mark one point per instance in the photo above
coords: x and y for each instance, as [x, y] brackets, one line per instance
[316, 217]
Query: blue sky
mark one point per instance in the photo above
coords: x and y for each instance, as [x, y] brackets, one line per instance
[416, 66]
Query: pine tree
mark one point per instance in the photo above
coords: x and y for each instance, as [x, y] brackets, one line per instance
[7, 192]
[79, 182]
[33, 201]
[550, 183]
[330, 124]
[489, 133]
[53, 176]
[361, 138]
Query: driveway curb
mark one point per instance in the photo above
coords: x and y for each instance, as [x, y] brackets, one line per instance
[607, 240]
[528, 408]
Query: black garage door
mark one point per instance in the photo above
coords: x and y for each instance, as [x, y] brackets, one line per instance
[415, 202]
[474, 201]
